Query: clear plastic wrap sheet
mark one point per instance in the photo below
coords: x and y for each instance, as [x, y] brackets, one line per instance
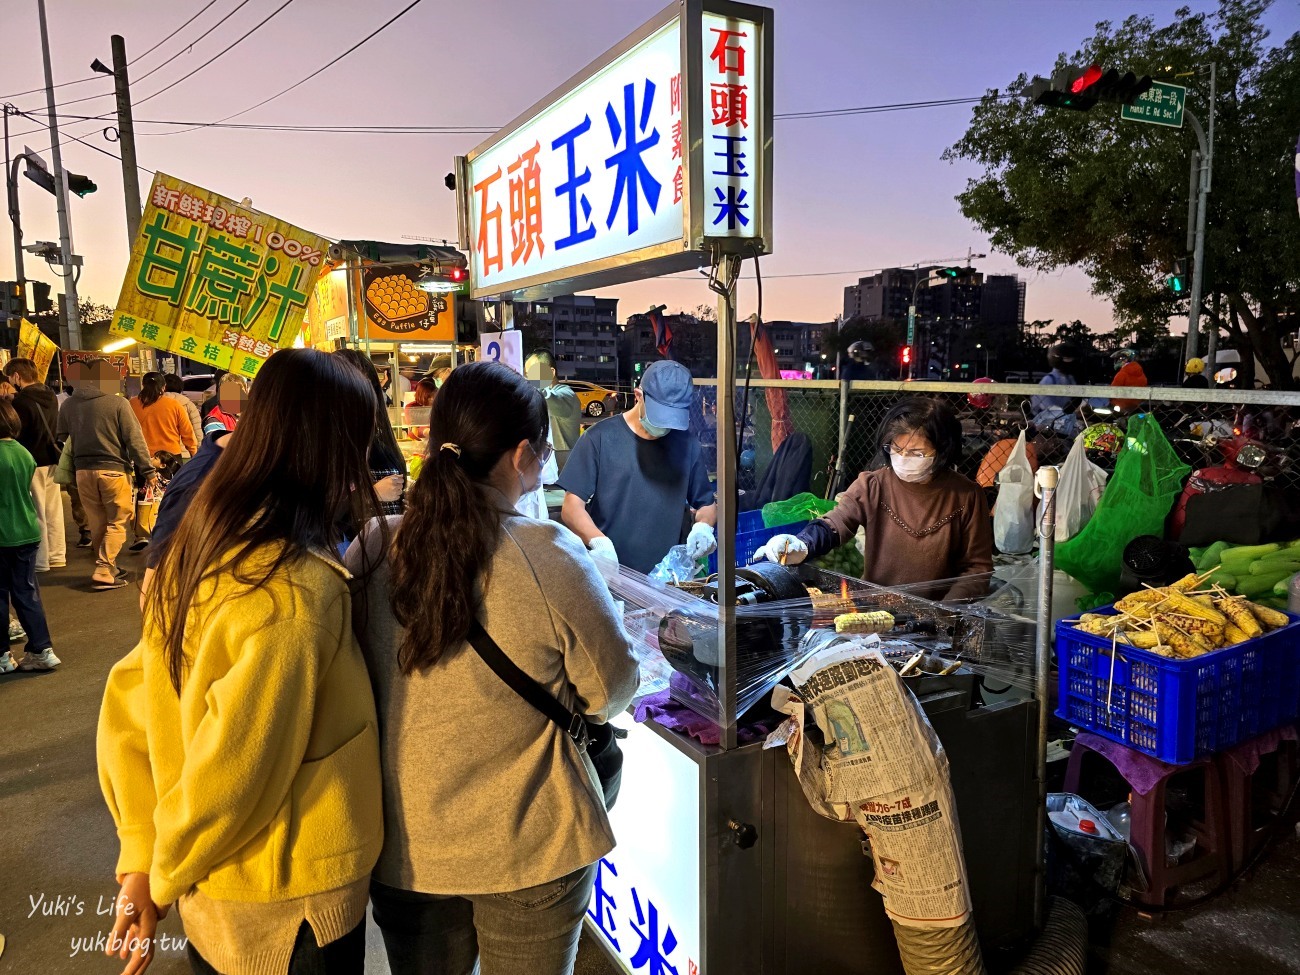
[676, 632]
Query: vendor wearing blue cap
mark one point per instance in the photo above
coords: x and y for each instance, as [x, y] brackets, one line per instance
[630, 479]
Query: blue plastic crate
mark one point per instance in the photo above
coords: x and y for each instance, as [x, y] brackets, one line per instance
[751, 536]
[1176, 710]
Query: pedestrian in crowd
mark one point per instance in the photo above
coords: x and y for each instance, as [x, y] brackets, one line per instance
[1058, 412]
[924, 521]
[37, 407]
[1194, 375]
[387, 465]
[1130, 374]
[630, 479]
[561, 403]
[167, 429]
[107, 450]
[237, 744]
[489, 847]
[424, 392]
[20, 536]
[211, 395]
[439, 369]
[174, 388]
[393, 385]
[223, 414]
[7, 391]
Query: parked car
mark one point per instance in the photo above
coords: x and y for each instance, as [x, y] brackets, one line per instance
[198, 386]
[596, 400]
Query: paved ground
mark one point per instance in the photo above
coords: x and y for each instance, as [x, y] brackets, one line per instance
[56, 863]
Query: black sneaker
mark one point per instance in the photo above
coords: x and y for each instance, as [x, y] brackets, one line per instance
[84, 540]
[139, 545]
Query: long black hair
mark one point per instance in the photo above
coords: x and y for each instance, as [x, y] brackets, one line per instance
[385, 455]
[299, 459]
[481, 413]
[151, 388]
[932, 417]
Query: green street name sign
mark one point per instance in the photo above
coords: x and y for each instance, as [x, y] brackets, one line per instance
[1161, 104]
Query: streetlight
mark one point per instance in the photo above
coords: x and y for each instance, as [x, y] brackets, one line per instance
[978, 346]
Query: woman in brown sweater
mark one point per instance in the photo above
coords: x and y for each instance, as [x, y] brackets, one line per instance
[923, 520]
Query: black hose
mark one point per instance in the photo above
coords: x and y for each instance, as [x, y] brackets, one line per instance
[1062, 947]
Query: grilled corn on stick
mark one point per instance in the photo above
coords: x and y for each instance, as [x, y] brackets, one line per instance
[1183, 644]
[1098, 625]
[1241, 618]
[1183, 604]
[1142, 639]
[877, 621]
[1209, 633]
[1269, 617]
[1139, 598]
[1232, 636]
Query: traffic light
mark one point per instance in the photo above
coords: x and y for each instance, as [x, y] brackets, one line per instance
[906, 355]
[1080, 89]
[12, 300]
[955, 273]
[81, 185]
[1177, 281]
[41, 302]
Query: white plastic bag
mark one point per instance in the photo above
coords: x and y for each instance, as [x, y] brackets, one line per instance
[1013, 512]
[1077, 492]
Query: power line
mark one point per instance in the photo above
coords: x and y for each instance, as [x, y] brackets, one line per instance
[190, 46]
[401, 13]
[224, 50]
[141, 57]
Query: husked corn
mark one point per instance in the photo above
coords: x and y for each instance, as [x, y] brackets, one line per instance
[1098, 625]
[1233, 635]
[877, 621]
[1240, 617]
[1209, 633]
[1269, 617]
[1181, 603]
[1142, 639]
[1185, 583]
[1183, 644]
[1140, 598]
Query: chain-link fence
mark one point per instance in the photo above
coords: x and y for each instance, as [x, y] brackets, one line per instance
[1201, 424]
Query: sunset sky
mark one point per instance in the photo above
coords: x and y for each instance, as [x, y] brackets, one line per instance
[851, 193]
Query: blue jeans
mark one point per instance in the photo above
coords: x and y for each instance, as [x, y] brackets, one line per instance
[524, 932]
[18, 588]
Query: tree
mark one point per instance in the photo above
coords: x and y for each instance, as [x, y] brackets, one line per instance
[1064, 188]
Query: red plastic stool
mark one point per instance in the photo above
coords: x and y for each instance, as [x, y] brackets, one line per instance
[1256, 792]
[1149, 779]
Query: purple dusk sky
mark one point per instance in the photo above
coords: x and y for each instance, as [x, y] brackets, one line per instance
[851, 193]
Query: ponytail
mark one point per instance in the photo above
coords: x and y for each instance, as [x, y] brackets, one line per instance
[151, 388]
[451, 528]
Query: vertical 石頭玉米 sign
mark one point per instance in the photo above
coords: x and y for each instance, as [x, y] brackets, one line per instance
[36, 345]
[214, 281]
[655, 154]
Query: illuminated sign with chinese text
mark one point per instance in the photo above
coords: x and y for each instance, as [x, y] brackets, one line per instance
[650, 157]
[645, 905]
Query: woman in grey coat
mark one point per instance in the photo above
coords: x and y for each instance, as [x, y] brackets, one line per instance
[493, 819]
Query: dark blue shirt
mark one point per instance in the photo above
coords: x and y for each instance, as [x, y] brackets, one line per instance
[637, 491]
[180, 492]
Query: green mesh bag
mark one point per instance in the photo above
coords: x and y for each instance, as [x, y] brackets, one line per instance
[1138, 497]
[802, 507]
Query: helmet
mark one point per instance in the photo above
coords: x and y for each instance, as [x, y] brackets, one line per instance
[1103, 438]
[981, 401]
[862, 351]
[1194, 367]
[1126, 354]
[1062, 356]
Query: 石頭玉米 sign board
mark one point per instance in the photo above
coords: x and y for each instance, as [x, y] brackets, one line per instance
[214, 281]
[1161, 104]
[657, 152]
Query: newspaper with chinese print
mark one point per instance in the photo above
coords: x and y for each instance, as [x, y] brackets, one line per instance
[881, 766]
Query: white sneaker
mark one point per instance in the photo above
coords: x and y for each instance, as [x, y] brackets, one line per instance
[45, 660]
[7, 665]
[16, 632]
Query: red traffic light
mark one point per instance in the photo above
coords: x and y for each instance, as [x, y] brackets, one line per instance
[1091, 75]
[457, 274]
[907, 355]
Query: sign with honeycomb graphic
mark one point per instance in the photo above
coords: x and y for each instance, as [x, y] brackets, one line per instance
[396, 309]
[215, 281]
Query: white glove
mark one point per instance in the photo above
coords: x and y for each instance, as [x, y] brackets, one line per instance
[701, 542]
[605, 557]
[784, 549]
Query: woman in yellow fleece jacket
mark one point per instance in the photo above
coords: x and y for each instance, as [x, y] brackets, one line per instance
[237, 742]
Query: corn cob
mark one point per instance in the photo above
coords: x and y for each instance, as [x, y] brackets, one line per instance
[1211, 634]
[1206, 601]
[1271, 618]
[1181, 603]
[1241, 617]
[1183, 644]
[1185, 583]
[1097, 625]
[1233, 635]
[1142, 639]
[874, 622]
[1140, 598]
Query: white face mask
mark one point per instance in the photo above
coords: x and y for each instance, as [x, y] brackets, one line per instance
[913, 470]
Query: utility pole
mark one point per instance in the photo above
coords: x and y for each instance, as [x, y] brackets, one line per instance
[11, 197]
[60, 196]
[1198, 257]
[125, 136]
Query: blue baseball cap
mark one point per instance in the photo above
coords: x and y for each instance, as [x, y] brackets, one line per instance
[669, 394]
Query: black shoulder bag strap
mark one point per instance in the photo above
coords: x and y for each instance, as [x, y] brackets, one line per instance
[572, 724]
